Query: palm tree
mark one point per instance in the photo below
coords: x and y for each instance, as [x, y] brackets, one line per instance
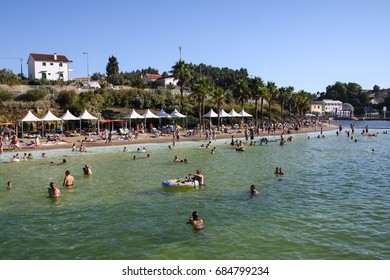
[303, 101]
[289, 94]
[218, 96]
[241, 92]
[256, 86]
[272, 95]
[283, 96]
[201, 91]
[182, 74]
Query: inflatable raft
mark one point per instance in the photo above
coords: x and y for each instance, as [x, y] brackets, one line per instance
[240, 148]
[179, 183]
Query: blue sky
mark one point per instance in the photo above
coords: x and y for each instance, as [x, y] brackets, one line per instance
[305, 44]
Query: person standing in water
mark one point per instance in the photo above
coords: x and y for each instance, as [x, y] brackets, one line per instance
[196, 221]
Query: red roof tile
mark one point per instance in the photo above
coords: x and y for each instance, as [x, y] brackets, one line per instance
[49, 57]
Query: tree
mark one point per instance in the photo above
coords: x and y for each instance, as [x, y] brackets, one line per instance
[290, 100]
[182, 74]
[302, 101]
[241, 91]
[112, 70]
[271, 96]
[256, 86]
[218, 96]
[283, 96]
[200, 91]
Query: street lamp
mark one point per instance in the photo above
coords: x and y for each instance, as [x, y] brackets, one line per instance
[87, 66]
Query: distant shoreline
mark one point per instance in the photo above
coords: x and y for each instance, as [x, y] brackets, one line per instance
[148, 139]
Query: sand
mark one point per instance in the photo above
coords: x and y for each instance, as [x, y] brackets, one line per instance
[148, 138]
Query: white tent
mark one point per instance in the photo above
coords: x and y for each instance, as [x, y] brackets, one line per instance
[133, 115]
[87, 116]
[211, 114]
[149, 115]
[233, 114]
[244, 114]
[176, 114]
[68, 116]
[49, 116]
[30, 117]
[223, 114]
[163, 114]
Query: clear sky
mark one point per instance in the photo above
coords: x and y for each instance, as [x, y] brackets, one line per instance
[306, 44]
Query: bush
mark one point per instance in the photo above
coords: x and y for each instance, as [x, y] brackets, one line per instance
[6, 95]
[33, 95]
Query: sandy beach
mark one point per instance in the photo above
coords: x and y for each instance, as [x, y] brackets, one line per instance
[146, 138]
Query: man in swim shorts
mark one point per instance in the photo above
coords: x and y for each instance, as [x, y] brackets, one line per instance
[68, 179]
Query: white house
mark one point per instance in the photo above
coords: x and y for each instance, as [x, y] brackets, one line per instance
[331, 106]
[48, 67]
[165, 82]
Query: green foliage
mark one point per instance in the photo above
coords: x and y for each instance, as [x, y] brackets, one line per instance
[66, 98]
[33, 95]
[6, 95]
[7, 77]
[112, 70]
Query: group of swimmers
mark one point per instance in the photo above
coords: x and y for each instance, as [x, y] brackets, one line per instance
[198, 223]
[55, 192]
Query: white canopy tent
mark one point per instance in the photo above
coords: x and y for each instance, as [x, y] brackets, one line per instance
[223, 114]
[48, 117]
[133, 115]
[233, 114]
[30, 117]
[68, 116]
[177, 114]
[87, 116]
[149, 115]
[211, 114]
[242, 113]
[163, 114]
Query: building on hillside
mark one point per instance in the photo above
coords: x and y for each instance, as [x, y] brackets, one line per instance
[150, 78]
[52, 67]
[331, 106]
[165, 82]
[316, 107]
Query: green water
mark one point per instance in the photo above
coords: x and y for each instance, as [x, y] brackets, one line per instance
[333, 203]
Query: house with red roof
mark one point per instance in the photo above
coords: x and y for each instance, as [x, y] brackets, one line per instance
[52, 67]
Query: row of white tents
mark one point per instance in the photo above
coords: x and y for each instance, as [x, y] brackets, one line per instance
[49, 116]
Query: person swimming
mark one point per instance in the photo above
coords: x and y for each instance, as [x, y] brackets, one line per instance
[253, 191]
[196, 221]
